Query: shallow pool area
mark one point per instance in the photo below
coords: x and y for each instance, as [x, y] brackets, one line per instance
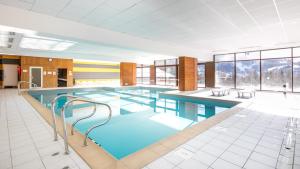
[141, 116]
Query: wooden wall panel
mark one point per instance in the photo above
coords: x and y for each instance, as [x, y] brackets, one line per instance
[127, 74]
[10, 57]
[49, 78]
[187, 73]
[210, 74]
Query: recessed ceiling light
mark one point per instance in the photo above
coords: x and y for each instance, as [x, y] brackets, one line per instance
[45, 43]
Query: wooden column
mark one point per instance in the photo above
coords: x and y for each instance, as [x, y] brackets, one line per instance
[187, 73]
[210, 74]
[152, 75]
[127, 74]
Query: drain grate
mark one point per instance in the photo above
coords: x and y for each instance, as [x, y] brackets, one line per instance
[55, 154]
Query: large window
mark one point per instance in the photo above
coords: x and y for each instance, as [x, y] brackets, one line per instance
[224, 69]
[166, 72]
[248, 70]
[296, 69]
[139, 75]
[160, 73]
[201, 75]
[296, 74]
[225, 74]
[143, 74]
[171, 72]
[276, 73]
[248, 74]
[276, 69]
[265, 70]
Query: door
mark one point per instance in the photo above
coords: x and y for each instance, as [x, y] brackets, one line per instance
[10, 75]
[62, 77]
[36, 77]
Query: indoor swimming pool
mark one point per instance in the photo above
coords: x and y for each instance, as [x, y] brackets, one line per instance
[140, 116]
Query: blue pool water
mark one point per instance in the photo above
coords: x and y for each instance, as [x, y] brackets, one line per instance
[140, 116]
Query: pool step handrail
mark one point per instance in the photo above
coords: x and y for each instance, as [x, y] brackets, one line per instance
[97, 125]
[53, 104]
[90, 129]
[19, 85]
[82, 118]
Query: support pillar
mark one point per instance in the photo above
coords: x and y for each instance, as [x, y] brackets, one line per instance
[210, 74]
[187, 73]
[152, 75]
[127, 74]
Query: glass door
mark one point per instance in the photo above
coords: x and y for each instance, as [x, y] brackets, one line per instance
[36, 77]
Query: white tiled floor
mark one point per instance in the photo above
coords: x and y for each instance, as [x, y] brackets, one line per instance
[254, 138]
[26, 140]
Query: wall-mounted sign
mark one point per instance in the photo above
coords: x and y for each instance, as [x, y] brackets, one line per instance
[25, 70]
[45, 73]
[54, 73]
[70, 73]
[49, 73]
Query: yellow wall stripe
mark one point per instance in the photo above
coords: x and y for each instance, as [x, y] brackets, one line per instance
[95, 63]
[86, 69]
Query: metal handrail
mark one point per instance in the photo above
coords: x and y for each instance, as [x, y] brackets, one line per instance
[82, 118]
[53, 103]
[90, 129]
[19, 85]
[98, 125]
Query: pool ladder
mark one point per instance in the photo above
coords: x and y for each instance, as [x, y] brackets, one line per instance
[62, 115]
[19, 85]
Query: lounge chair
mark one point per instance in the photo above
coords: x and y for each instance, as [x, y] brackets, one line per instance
[220, 91]
[250, 92]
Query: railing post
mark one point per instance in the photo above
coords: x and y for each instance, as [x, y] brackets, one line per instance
[19, 85]
[54, 119]
[65, 127]
[65, 134]
[53, 104]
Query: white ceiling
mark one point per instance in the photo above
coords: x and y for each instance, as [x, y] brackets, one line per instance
[167, 27]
